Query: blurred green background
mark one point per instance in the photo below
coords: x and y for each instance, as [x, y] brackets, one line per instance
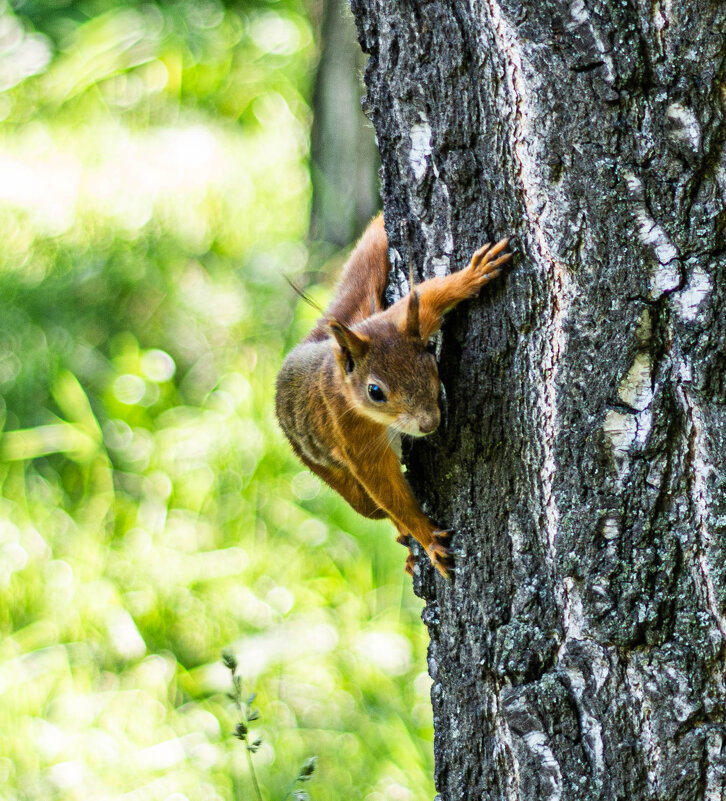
[161, 170]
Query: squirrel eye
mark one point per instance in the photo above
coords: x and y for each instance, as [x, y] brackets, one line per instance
[375, 393]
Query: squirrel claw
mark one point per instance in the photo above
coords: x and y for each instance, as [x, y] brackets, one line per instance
[485, 263]
[445, 568]
[442, 558]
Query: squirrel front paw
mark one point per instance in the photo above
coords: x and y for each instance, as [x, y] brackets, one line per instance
[485, 265]
[441, 556]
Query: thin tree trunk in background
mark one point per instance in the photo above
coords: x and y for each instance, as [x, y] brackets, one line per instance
[344, 158]
[578, 652]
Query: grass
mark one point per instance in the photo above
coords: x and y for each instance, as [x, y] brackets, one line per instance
[151, 514]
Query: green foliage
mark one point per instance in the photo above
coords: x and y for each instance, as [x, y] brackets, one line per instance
[155, 191]
[248, 714]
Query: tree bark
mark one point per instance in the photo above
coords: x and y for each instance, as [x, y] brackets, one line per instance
[579, 651]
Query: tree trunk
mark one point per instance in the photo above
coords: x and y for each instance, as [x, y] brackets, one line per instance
[344, 159]
[578, 653]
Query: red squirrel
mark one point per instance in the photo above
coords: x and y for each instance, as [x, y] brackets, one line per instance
[363, 376]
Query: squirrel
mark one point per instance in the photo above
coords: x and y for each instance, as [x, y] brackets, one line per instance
[364, 376]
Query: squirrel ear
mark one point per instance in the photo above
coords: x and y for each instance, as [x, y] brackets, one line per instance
[413, 328]
[351, 342]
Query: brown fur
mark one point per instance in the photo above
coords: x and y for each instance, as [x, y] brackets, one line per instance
[324, 405]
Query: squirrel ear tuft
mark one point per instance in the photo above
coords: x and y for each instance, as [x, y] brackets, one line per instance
[413, 328]
[354, 343]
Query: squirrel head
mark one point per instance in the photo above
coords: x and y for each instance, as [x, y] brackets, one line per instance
[390, 375]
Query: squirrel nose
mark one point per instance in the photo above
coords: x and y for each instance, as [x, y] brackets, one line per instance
[429, 424]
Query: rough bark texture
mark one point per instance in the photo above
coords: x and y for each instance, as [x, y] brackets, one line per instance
[579, 651]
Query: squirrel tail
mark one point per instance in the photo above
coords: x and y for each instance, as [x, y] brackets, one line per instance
[361, 289]
[364, 278]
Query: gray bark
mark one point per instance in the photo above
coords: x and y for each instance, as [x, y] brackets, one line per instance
[578, 653]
